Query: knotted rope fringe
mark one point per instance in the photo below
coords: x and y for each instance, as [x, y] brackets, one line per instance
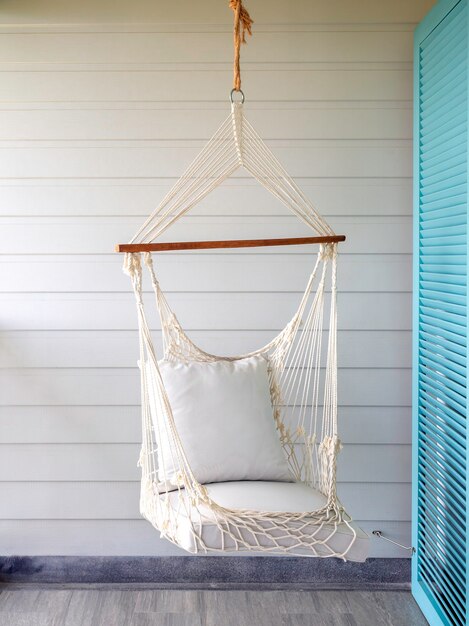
[236, 143]
[242, 25]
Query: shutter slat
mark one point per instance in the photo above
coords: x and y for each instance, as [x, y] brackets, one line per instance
[441, 177]
[446, 367]
[430, 417]
[434, 547]
[450, 539]
[428, 327]
[444, 280]
[445, 187]
[438, 598]
[438, 87]
[440, 288]
[444, 144]
[456, 194]
[444, 392]
[456, 321]
[443, 259]
[442, 128]
[438, 486]
[431, 222]
[442, 458]
[443, 208]
[452, 97]
[453, 417]
[439, 574]
[446, 444]
[445, 270]
[431, 467]
[438, 354]
[434, 387]
[440, 291]
[443, 139]
[449, 250]
[441, 546]
[444, 326]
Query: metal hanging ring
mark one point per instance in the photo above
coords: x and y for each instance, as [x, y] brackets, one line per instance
[233, 91]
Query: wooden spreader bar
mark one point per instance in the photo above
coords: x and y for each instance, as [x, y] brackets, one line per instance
[230, 243]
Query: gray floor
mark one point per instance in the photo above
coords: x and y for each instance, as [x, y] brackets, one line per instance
[117, 607]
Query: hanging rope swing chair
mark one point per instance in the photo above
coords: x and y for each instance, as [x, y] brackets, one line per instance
[240, 452]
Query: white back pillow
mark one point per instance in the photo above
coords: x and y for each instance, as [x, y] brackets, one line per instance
[224, 417]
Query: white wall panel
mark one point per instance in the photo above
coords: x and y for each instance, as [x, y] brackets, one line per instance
[153, 159]
[133, 537]
[101, 386]
[100, 111]
[120, 197]
[211, 14]
[205, 272]
[205, 47]
[91, 348]
[379, 235]
[117, 462]
[196, 311]
[137, 124]
[120, 500]
[121, 424]
[267, 85]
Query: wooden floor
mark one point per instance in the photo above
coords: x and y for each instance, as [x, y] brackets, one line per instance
[117, 607]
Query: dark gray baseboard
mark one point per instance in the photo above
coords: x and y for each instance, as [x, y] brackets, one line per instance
[207, 572]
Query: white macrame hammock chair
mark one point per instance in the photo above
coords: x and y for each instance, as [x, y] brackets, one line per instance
[303, 387]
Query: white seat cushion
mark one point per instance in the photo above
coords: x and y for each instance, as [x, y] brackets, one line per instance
[224, 418]
[266, 496]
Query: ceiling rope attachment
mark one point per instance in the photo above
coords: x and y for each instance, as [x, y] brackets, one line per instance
[242, 25]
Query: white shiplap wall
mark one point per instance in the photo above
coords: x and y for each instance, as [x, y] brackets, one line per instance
[101, 107]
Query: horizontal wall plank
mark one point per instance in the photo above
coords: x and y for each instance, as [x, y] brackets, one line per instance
[26, 349]
[197, 311]
[204, 272]
[122, 424]
[54, 15]
[136, 537]
[118, 462]
[269, 84]
[383, 159]
[100, 386]
[111, 198]
[94, 235]
[143, 124]
[114, 500]
[174, 47]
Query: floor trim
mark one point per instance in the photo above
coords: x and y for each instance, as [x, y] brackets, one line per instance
[206, 572]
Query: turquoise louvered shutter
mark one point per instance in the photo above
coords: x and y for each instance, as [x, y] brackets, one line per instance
[439, 575]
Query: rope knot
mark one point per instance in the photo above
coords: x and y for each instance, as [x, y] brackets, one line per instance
[327, 251]
[243, 20]
[132, 264]
[330, 446]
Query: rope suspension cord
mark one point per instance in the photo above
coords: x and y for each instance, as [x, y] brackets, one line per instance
[235, 144]
[242, 25]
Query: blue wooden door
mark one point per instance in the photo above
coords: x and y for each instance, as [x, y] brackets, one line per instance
[439, 573]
